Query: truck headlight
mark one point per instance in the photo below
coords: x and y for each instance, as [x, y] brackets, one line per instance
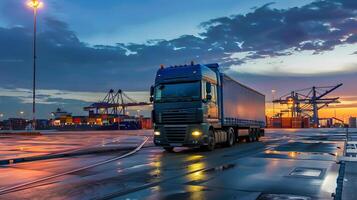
[157, 133]
[196, 133]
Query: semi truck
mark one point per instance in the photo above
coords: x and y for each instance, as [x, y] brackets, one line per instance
[197, 105]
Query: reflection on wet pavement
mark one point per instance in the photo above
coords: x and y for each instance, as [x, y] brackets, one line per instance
[286, 164]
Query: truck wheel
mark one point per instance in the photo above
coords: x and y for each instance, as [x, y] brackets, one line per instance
[257, 136]
[248, 139]
[230, 137]
[169, 149]
[211, 142]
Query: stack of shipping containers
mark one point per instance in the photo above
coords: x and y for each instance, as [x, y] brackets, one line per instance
[288, 122]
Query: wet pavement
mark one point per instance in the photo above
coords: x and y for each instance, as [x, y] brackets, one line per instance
[52, 142]
[286, 164]
[349, 178]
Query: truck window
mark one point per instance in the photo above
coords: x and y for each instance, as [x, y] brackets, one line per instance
[178, 92]
[203, 89]
[213, 92]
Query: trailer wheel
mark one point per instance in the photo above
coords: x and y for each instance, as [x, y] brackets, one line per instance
[230, 137]
[169, 149]
[211, 141]
[248, 139]
[251, 136]
[258, 134]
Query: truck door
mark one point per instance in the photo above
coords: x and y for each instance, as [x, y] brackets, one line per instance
[212, 104]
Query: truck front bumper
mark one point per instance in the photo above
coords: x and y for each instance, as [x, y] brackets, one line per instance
[181, 135]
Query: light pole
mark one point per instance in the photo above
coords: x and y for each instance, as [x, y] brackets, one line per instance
[34, 4]
[273, 97]
[22, 114]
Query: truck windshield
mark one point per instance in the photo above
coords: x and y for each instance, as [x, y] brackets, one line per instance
[178, 92]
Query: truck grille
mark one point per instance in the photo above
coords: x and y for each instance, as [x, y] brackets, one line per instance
[178, 117]
[175, 134]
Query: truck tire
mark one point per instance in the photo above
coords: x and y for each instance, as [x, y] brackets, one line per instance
[211, 141]
[257, 135]
[169, 149]
[251, 136]
[248, 138]
[230, 137]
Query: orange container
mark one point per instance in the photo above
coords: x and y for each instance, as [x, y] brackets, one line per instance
[306, 122]
[146, 123]
[286, 122]
[296, 122]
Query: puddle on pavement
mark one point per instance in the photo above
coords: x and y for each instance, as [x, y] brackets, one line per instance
[190, 192]
[220, 168]
[300, 155]
[308, 147]
[200, 177]
[282, 197]
[307, 172]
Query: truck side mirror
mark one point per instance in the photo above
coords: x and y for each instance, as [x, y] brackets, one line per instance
[151, 99]
[152, 91]
[209, 97]
[208, 88]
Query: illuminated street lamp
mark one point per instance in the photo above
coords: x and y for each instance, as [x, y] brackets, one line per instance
[22, 114]
[1, 115]
[34, 4]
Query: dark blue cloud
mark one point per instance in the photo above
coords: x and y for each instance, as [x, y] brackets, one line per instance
[66, 62]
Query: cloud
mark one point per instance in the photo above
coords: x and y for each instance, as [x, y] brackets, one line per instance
[318, 26]
[67, 63]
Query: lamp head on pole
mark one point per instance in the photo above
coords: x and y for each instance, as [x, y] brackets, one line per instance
[35, 4]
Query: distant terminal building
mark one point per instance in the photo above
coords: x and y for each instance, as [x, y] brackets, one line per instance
[352, 122]
[14, 124]
[98, 121]
[2, 125]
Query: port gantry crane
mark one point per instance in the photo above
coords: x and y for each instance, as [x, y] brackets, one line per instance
[308, 101]
[114, 103]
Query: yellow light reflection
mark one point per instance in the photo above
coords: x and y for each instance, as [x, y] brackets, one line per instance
[193, 157]
[156, 171]
[196, 192]
[271, 152]
[198, 174]
[292, 154]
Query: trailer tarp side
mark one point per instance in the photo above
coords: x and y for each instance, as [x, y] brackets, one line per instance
[242, 105]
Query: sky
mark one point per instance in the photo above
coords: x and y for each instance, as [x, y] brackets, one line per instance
[86, 47]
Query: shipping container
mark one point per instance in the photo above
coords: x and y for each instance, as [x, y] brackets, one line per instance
[306, 122]
[286, 122]
[296, 122]
[276, 122]
[146, 123]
